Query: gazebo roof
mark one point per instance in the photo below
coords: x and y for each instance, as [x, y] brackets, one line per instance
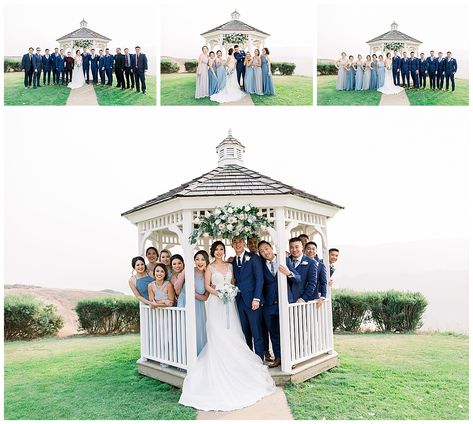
[394, 35]
[234, 25]
[83, 32]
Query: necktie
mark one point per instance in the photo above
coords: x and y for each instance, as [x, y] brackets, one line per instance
[273, 271]
[238, 261]
[294, 262]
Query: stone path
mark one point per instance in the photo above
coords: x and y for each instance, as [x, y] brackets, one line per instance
[84, 96]
[245, 101]
[273, 407]
[400, 99]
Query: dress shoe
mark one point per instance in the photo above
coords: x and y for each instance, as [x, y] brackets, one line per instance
[268, 357]
[276, 363]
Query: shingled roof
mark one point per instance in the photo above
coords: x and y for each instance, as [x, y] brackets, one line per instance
[234, 25]
[394, 35]
[230, 180]
[83, 32]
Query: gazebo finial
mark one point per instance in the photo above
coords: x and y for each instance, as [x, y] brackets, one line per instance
[230, 151]
[394, 26]
[83, 23]
[235, 15]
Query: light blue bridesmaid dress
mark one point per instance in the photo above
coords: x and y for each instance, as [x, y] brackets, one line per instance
[250, 79]
[213, 82]
[366, 76]
[268, 87]
[221, 76]
[381, 70]
[359, 76]
[350, 79]
[374, 76]
[258, 75]
[342, 75]
[200, 317]
[142, 285]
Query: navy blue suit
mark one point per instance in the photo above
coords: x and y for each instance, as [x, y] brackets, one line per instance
[249, 279]
[129, 71]
[140, 67]
[53, 65]
[60, 68]
[27, 66]
[94, 67]
[450, 69]
[432, 63]
[321, 278]
[423, 70]
[37, 67]
[306, 288]
[47, 67]
[271, 300]
[414, 67]
[240, 67]
[405, 68]
[440, 72]
[102, 69]
[86, 65]
[396, 69]
[109, 68]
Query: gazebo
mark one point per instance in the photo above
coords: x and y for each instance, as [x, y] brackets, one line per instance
[168, 335]
[235, 32]
[83, 37]
[394, 40]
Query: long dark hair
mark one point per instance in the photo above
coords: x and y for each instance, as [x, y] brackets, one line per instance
[136, 259]
[230, 51]
[204, 254]
[214, 246]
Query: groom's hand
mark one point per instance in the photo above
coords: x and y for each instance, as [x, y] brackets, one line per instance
[255, 304]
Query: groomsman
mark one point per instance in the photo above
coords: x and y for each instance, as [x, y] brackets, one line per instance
[440, 71]
[432, 64]
[102, 67]
[321, 271]
[86, 64]
[450, 69]
[332, 258]
[129, 70]
[423, 70]
[414, 67]
[94, 66]
[405, 68]
[240, 55]
[109, 66]
[119, 68]
[69, 66]
[60, 60]
[53, 64]
[37, 67]
[396, 68]
[271, 267]
[27, 66]
[304, 239]
[305, 289]
[140, 66]
[47, 62]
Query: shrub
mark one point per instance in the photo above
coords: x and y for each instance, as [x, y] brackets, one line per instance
[286, 68]
[11, 65]
[169, 67]
[274, 67]
[109, 315]
[349, 310]
[327, 69]
[28, 318]
[191, 66]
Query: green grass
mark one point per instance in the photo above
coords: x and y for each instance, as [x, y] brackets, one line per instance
[179, 89]
[327, 95]
[389, 377]
[460, 97]
[15, 93]
[84, 378]
[111, 96]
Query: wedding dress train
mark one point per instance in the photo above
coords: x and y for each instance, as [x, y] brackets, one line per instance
[78, 79]
[389, 87]
[227, 374]
[232, 91]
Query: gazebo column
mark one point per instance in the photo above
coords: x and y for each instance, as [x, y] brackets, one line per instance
[142, 237]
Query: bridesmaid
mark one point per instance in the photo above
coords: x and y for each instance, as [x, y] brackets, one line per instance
[268, 86]
[249, 74]
[177, 268]
[165, 258]
[140, 280]
[257, 73]
[366, 73]
[152, 255]
[160, 291]
[350, 68]
[374, 74]
[381, 69]
[202, 77]
[359, 74]
[342, 72]
[213, 81]
[221, 73]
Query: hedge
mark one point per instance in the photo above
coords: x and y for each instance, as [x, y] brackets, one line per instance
[191, 66]
[327, 69]
[388, 311]
[11, 65]
[284, 68]
[109, 315]
[169, 67]
[28, 318]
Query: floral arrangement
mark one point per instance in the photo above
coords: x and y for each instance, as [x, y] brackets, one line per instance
[229, 221]
[83, 43]
[235, 38]
[228, 293]
[229, 72]
[393, 46]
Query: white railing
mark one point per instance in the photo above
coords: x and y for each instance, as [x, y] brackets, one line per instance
[309, 330]
[163, 335]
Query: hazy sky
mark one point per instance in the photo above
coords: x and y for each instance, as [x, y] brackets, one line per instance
[401, 176]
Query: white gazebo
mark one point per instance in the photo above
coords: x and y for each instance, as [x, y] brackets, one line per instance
[235, 32]
[95, 40]
[168, 335]
[394, 38]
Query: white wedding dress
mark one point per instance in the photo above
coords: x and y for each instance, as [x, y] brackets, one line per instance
[232, 91]
[389, 87]
[78, 79]
[227, 374]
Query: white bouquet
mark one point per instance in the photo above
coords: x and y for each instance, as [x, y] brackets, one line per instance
[229, 72]
[228, 293]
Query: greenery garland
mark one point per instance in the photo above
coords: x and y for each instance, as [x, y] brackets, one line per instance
[393, 46]
[83, 43]
[235, 38]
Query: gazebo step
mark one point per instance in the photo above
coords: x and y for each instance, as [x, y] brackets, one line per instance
[302, 372]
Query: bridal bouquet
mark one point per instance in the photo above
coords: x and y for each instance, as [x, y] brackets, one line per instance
[229, 72]
[228, 293]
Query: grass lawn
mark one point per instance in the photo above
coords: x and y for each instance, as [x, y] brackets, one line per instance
[389, 377]
[15, 93]
[111, 96]
[84, 378]
[327, 95]
[460, 97]
[179, 89]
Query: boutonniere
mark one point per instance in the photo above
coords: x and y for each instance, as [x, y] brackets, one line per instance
[247, 258]
[304, 263]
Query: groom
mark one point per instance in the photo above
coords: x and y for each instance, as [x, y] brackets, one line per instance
[396, 68]
[239, 56]
[248, 274]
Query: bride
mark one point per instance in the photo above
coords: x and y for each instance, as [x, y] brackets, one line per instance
[389, 87]
[231, 92]
[227, 374]
[78, 79]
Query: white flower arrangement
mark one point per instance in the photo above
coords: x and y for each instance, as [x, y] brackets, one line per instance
[228, 293]
[230, 221]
